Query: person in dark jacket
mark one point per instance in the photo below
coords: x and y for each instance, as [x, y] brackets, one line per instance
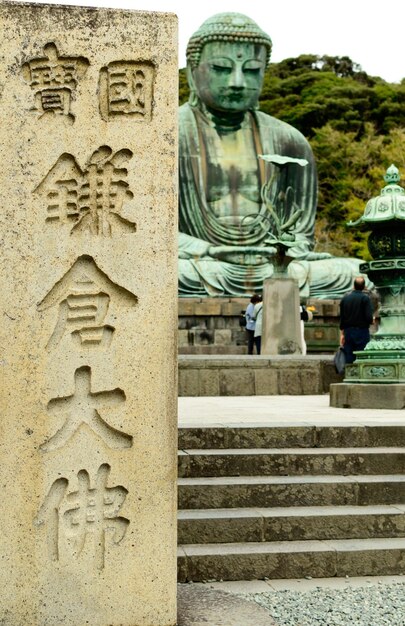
[356, 315]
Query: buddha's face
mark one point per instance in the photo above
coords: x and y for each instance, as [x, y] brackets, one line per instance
[230, 75]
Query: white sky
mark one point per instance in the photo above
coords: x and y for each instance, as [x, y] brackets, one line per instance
[370, 33]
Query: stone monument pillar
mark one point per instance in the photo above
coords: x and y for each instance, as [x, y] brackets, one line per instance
[281, 332]
[88, 287]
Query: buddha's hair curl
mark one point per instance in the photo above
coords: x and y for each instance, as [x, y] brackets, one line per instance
[226, 27]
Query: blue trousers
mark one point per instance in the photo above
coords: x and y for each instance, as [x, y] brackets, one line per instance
[355, 339]
[253, 341]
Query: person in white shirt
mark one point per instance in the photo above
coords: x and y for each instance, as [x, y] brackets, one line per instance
[251, 323]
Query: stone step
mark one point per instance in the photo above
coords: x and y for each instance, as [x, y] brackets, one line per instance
[281, 436]
[277, 491]
[290, 461]
[290, 523]
[291, 559]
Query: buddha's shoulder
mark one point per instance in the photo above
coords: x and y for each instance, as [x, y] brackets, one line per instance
[277, 126]
[185, 112]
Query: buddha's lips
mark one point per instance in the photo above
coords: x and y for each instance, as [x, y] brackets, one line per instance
[236, 94]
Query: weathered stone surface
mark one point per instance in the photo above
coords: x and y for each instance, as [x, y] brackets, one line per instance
[281, 317]
[383, 556]
[187, 306]
[341, 436]
[350, 523]
[289, 524]
[201, 437]
[291, 437]
[212, 350]
[284, 375]
[367, 396]
[223, 526]
[290, 381]
[209, 383]
[234, 306]
[381, 492]
[266, 382]
[254, 437]
[223, 337]
[294, 559]
[208, 607]
[88, 227]
[189, 383]
[311, 382]
[256, 561]
[333, 493]
[183, 337]
[208, 307]
[265, 462]
[237, 382]
[328, 374]
[227, 492]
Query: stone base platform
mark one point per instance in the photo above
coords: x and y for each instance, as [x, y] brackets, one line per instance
[211, 326]
[367, 396]
[256, 375]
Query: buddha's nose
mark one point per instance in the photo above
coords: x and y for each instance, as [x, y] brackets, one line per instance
[237, 78]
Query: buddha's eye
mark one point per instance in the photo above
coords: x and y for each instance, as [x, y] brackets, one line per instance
[221, 69]
[251, 70]
[252, 67]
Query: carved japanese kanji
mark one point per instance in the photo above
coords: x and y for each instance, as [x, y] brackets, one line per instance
[54, 78]
[89, 199]
[126, 88]
[83, 407]
[87, 510]
[83, 298]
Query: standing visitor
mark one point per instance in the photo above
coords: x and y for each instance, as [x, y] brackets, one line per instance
[257, 316]
[251, 323]
[356, 315]
[306, 315]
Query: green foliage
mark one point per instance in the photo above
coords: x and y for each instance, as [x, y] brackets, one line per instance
[310, 91]
[356, 126]
[184, 89]
[351, 170]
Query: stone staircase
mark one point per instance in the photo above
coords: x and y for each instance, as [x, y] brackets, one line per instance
[291, 502]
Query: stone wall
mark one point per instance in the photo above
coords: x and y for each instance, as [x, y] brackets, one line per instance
[255, 375]
[211, 326]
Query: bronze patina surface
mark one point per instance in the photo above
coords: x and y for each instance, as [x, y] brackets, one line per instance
[248, 182]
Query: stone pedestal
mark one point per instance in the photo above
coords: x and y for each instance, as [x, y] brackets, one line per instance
[212, 326]
[281, 333]
[367, 396]
[88, 228]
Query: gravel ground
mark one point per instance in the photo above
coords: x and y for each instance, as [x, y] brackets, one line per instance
[380, 605]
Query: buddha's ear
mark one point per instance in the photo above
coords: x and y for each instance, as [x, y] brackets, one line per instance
[190, 77]
[193, 98]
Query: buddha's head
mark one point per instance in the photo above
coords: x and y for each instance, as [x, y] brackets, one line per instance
[226, 61]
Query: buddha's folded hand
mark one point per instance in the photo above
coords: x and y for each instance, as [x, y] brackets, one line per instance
[242, 255]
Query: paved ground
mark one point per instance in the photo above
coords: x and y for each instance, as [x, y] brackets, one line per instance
[278, 411]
